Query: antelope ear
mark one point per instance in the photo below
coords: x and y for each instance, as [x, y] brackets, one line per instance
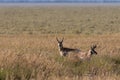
[94, 46]
[57, 39]
[91, 47]
[62, 39]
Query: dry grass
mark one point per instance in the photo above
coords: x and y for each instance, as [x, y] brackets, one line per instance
[28, 45]
[37, 57]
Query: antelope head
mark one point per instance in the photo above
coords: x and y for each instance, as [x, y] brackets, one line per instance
[60, 43]
[92, 51]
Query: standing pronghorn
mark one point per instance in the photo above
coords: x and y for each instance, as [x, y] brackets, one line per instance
[87, 55]
[63, 50]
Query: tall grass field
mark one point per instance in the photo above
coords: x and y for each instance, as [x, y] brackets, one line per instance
[29, 50]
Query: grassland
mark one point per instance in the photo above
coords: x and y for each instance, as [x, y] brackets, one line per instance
[69, 20]
[29, 49]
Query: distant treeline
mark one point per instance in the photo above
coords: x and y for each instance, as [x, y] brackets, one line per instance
[57, 1]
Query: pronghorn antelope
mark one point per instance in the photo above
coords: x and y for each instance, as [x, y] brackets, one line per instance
[63, 50]
[87, 55]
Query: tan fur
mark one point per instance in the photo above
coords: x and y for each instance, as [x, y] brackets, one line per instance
[85, 55]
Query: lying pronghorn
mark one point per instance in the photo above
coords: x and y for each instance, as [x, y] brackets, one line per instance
[63, 50]
[86, 55]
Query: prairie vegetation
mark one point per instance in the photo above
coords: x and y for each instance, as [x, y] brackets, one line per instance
[29, 51]
[69, 20]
